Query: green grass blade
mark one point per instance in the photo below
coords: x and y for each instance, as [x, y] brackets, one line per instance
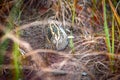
[13, 17]
[71, 44]
[3, 47]
[106, 29]
[113, 35]
[113, 47]
[73, 11]
[16, 61]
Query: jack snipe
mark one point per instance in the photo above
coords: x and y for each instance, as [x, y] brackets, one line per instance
[57, 36]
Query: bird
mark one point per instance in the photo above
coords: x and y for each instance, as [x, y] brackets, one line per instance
[57, 36]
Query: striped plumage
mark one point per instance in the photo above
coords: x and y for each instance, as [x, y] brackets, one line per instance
[57, 35]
